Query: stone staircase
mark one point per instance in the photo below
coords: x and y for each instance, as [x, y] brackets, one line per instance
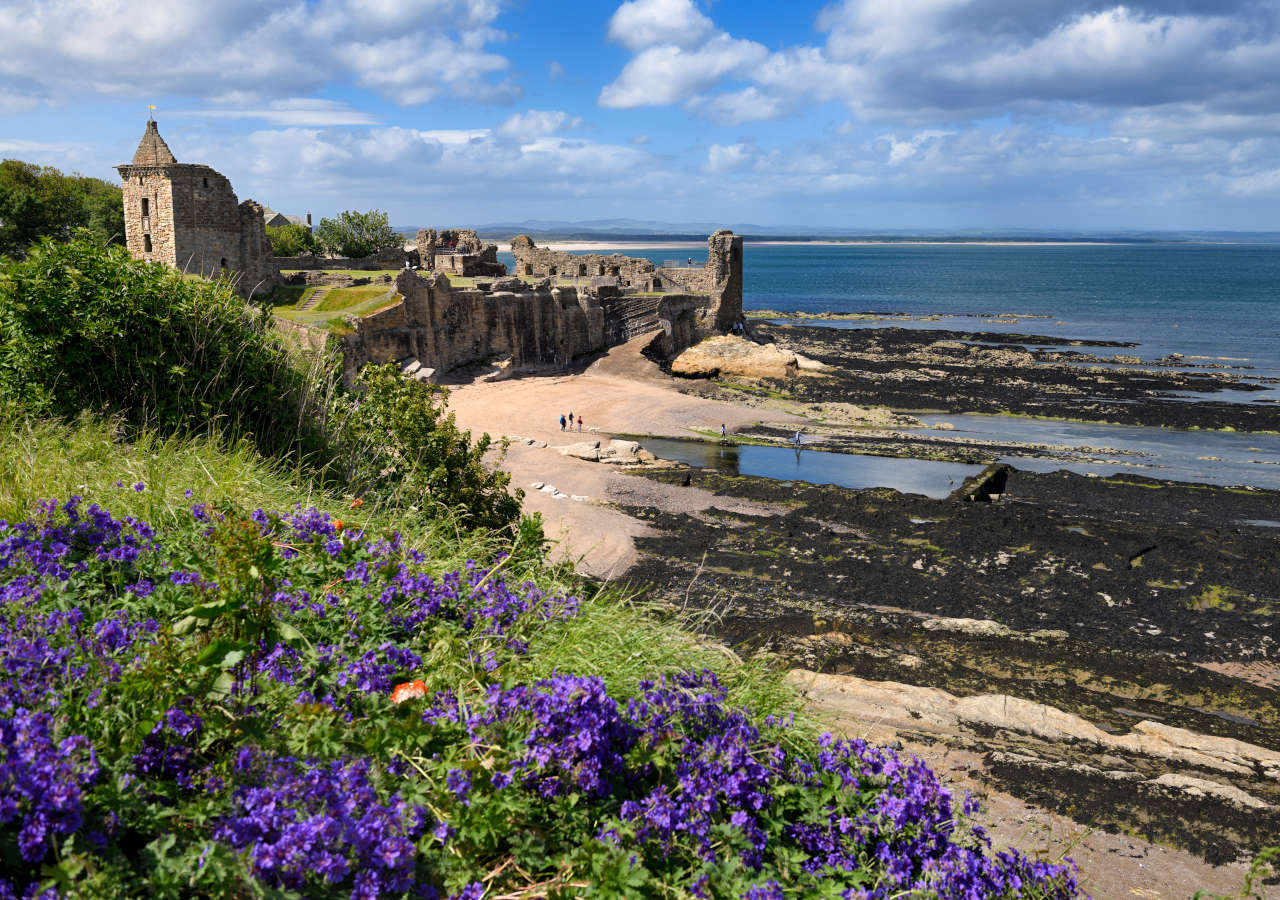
[314, 300]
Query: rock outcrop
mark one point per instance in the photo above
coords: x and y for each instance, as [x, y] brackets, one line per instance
[733, 355]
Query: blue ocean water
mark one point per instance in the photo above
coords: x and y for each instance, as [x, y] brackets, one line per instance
[1206, 300]
[1212, 303]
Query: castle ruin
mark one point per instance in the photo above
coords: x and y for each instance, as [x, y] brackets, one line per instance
[436, 327]
[458, 251]
[187, 216]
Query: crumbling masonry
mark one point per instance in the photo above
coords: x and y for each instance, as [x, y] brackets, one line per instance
[437, 327]
[188, 217]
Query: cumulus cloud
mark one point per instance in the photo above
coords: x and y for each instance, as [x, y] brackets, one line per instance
[737, 107]
[923, 61]
[668, 73]
[638, 24]
[538, 123]
[409, 51]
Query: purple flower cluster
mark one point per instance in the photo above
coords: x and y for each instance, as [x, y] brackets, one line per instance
[41, 781]
[168, 752]
[323, 822]
[61, 538]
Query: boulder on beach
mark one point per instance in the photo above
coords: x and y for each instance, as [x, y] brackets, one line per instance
[733, 355]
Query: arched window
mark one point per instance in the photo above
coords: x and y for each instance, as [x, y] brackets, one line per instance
[223, 264]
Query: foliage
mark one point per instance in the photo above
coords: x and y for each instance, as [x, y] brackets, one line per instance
[356, 234]
[85, 327]
[291, 239]
[398, 440]
[244, 703]
[40, 201]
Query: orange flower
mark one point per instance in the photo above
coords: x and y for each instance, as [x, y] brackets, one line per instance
[357, 503]
[337, 525]
[410, 690]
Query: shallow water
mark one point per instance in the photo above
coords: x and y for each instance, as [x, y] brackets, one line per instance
[910, 476]
[1243, 458]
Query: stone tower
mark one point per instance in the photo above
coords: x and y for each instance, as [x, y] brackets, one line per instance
[188, 217]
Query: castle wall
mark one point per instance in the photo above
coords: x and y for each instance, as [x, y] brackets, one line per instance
[187, 216]
[540, 262]
[445, 327]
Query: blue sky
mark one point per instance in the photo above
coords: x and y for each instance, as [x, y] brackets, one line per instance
[860, 114]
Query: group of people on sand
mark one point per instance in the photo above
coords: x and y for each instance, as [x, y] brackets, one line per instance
[569, 422]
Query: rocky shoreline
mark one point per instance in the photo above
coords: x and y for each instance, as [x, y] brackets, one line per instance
[1106, 648]
[1023, 374]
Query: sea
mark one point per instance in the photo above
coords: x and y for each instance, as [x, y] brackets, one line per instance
[1213, 303]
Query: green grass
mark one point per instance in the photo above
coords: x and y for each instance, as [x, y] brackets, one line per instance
[330, 313]
[617, 636]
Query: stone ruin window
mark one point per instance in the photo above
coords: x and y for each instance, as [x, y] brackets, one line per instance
[146, 207]
[582, 269]
[551, 271]
[146, 243]
[223, 264]
[528, 269]
[614, 271]
[204, 182]
[601, 272]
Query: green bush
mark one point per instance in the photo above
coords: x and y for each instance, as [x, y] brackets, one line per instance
[86, 327]
[40, 201]
[357, 234]
[397, 439]
[291, 239]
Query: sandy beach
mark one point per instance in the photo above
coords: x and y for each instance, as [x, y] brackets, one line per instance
[621, 393]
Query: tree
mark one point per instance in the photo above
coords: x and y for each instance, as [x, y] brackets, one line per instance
[40, 201]
[291, 239]
[357, 234]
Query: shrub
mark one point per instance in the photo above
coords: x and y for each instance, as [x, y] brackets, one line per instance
[397, 441]
[40, 201]
[86, 327]
[357, 234]
[291, 239]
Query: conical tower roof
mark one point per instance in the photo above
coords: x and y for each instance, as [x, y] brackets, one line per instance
[152, 150]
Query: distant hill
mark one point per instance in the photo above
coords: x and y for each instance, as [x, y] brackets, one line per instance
[649, 230]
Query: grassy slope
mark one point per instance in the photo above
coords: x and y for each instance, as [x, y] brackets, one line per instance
[614, 637]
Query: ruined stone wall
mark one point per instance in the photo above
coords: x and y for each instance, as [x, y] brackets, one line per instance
[187, 216]
[532, 260]
[720, 279]
[445, 327]
[458, 251]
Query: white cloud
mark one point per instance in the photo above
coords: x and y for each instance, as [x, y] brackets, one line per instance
[737, 107]
[639, 24]
[409, 51]
[296, 112]
[537, 123]
[555, 71]
[668, 74]
[727, 158]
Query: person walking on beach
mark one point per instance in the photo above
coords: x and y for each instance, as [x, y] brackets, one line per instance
[562, 421]
[579, 424]
[571, 421]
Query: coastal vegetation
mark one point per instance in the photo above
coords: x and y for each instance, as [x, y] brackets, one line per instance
[40, 201]
[356, 234]
[267, 638]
